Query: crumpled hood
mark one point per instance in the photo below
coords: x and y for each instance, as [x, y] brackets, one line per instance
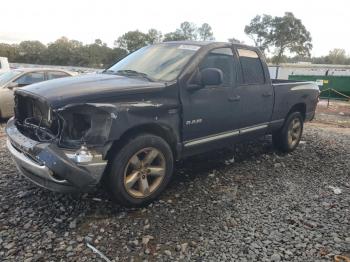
[88, 88]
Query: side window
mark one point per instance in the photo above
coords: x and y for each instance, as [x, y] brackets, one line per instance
[221, 58]
[252, 69]
[30, 78]
[55, 74]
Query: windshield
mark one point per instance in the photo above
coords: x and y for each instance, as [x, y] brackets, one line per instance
[6, 77]
[162, 62]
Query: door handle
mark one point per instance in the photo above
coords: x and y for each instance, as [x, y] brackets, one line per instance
[234, 98]
[267, 94]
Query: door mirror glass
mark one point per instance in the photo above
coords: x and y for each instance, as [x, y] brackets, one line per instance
[12, 85]
[211, 77]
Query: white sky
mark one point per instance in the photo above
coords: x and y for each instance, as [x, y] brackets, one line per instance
[47, 20]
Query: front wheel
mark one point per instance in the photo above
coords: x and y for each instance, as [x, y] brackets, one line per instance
[288, 137]
[141, 170]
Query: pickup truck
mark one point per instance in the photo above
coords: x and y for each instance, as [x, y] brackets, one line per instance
[126, 126]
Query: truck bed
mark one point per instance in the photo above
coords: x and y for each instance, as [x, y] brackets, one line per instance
[281, 82]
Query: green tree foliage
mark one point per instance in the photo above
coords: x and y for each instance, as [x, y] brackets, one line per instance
[174, 36]
[189, 31]
[259, 30]
[31, 52]
[234, 41]
[9, 51]
[132, 40]
[154, 36]
[205, 32]
[63, 52]
[284, 34]
[337, 56]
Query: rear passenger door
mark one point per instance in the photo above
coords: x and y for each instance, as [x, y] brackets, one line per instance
[255, 92]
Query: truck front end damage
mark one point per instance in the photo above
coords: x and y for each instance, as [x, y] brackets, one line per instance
[60, 149]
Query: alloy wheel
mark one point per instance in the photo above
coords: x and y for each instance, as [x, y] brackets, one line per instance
[144, 172]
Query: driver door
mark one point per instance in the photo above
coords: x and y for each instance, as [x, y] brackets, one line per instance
[208, 112]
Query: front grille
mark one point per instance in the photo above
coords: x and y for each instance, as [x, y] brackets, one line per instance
[34, 118]
[30, 107]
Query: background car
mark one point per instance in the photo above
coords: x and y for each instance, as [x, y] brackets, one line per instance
[18, 78]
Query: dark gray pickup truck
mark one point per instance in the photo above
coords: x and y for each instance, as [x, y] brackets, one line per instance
[127, 125]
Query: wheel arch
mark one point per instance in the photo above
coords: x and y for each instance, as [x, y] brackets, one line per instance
[160, 130]
[299, 107]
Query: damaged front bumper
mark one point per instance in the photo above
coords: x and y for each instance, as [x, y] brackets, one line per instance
[52, 167]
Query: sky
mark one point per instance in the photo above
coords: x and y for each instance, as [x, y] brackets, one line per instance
[87, 20]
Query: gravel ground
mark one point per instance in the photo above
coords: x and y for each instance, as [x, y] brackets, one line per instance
[260, 205]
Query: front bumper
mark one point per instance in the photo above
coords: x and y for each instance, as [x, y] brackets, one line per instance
[52, 167]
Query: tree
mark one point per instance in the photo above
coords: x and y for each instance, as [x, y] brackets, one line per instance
[9, 51]
[336, 56]
[174, 36]
[259, 31]
[66, 52]
[285, 33]
[132, 40]
[98, 42]
[234, 41]
[154, 36]
[31, 52]
[289, 34]
[114, 55]
[187, 31]
[205, 32]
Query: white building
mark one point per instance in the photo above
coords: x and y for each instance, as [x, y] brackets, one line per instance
[284, 70]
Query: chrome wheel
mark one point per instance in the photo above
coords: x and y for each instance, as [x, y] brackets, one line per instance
[144, 172]
[294, 132]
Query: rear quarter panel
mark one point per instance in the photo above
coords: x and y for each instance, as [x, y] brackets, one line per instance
[288, 95]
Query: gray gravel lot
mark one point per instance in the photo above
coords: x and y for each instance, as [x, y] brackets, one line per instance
[261, 206]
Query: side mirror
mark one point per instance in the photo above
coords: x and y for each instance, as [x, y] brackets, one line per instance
[12, 85]
[211, 77]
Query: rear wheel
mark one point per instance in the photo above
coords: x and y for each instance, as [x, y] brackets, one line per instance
[141, 170]
[288, 137]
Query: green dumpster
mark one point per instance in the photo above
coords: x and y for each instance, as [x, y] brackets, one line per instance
[338, 87]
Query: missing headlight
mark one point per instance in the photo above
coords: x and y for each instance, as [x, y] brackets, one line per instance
[84, 124]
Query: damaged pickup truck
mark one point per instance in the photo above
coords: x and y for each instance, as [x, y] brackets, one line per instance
[127, 125]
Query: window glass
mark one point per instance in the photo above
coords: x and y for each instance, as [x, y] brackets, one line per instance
[55, 74]
[253, 72]
[221, 58]
[8, 76]
[30, 78]
[162, 62]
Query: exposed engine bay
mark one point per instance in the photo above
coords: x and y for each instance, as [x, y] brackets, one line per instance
[71, 126]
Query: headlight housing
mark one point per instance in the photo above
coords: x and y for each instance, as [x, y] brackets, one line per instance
[84, 125]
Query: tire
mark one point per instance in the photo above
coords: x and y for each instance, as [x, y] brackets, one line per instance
[140, 170]
[288, 137]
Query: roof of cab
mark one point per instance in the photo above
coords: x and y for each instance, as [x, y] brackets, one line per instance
[207, 43]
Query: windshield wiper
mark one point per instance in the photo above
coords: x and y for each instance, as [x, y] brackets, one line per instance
[129, 72]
